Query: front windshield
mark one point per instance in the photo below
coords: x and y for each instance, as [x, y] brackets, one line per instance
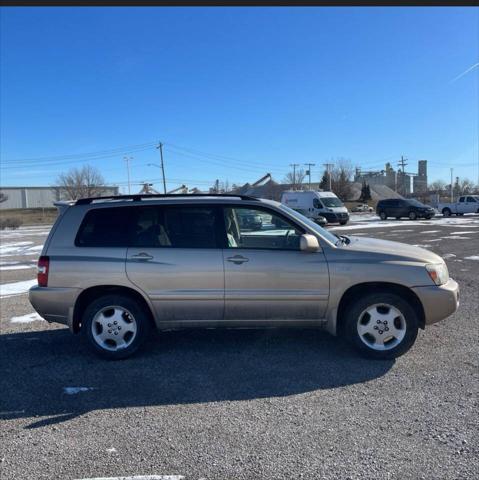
[331, 202]
[314, 226]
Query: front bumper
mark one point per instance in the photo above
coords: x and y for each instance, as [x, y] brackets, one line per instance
[332, 217]
[438, 301]
[54, 304]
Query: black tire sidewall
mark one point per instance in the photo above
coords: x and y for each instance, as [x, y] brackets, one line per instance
[141, 318]
[383, 216]
[412, 215]
[410, 315]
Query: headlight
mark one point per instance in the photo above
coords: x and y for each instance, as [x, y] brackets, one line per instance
[438, 273]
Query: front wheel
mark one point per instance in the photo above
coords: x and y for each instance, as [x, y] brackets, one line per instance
[381, 325]
[115, 326]
[343, 222]
[412, 215]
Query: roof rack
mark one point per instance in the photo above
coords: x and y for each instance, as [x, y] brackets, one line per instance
[139, 197]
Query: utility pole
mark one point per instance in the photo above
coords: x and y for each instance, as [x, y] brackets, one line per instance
[329, 167]
[294, 165]
[160, 147]
[403, 164]
[127, 160]
[308, 172]
[452, 188]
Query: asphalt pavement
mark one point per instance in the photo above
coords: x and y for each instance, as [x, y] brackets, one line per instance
[239, 404]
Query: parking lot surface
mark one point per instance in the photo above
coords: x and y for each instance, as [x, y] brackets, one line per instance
[240, 404]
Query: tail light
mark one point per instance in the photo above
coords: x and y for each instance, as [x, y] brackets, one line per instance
[42, 272]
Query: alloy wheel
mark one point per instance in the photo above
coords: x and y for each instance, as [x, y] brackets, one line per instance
[114, 328]
[381, 326]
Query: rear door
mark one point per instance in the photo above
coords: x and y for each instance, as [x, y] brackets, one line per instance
[176, 259]
[267, 277]
[472, 205]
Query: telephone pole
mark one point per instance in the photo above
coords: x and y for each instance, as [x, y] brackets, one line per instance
[452, 188]
[308, 172]
[294, 165]
[160, 147]
[127, 160]
[402, 163]
[329, 167]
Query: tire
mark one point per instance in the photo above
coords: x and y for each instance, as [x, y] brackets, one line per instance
[384, 306]
[382, 215]
[343, 223]
[446, 212]
[132, 326]
[412, 216]
[398, 218]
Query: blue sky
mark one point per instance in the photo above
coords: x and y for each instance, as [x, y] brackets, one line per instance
[236, 92]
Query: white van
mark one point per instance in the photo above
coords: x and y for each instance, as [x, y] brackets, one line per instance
[314, 204]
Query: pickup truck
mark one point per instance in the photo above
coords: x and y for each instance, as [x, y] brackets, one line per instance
[465, 204]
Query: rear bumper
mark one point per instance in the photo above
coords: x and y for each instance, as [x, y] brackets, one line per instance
[54, 304]
[438, 301]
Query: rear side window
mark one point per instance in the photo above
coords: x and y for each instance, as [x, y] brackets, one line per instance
[104, 227]
[175, 227]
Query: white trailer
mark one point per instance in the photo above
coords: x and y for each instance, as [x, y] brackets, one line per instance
[465, 204]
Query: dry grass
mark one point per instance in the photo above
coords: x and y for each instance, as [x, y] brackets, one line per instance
[31, 216]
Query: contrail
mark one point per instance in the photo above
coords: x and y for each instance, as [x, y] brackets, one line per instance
[465, 72]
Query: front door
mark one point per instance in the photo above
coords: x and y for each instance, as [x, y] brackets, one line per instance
[267, 277]
[177, 261]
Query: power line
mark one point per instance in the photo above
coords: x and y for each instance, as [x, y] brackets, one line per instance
[79, 155]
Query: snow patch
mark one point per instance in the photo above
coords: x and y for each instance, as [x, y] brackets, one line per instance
[16, 288]
[472, 257]
[28, 318]
[75, 390]
[448, 255]
[14, 266]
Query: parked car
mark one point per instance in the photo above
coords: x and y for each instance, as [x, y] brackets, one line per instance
[401, 207]
[465, 204]
[315, 204]
[250, 220]
[362, 207]
[112, 268]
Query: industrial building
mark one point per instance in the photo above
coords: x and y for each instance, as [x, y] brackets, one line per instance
[399, 180]
[38, 197]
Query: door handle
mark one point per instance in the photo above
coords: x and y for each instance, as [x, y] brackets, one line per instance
[237, 259]
[143, 256]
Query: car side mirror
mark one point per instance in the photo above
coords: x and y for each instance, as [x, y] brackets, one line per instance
[308, 243]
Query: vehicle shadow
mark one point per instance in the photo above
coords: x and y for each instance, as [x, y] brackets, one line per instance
[175, 368]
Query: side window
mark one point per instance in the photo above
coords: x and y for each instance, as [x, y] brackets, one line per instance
[104, 227]
[317, 203]
[175, 227]
[257, 228]
[471, 200]
[461, 200]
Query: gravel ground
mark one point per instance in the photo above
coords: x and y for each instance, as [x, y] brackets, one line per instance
[245, 404]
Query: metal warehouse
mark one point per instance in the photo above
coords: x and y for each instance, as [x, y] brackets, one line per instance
[37, 197]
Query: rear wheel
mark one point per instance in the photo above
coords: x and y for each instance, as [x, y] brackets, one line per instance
[382, 215]
[412, 215]
[115, 326]
[381, 325]
[446, 212]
